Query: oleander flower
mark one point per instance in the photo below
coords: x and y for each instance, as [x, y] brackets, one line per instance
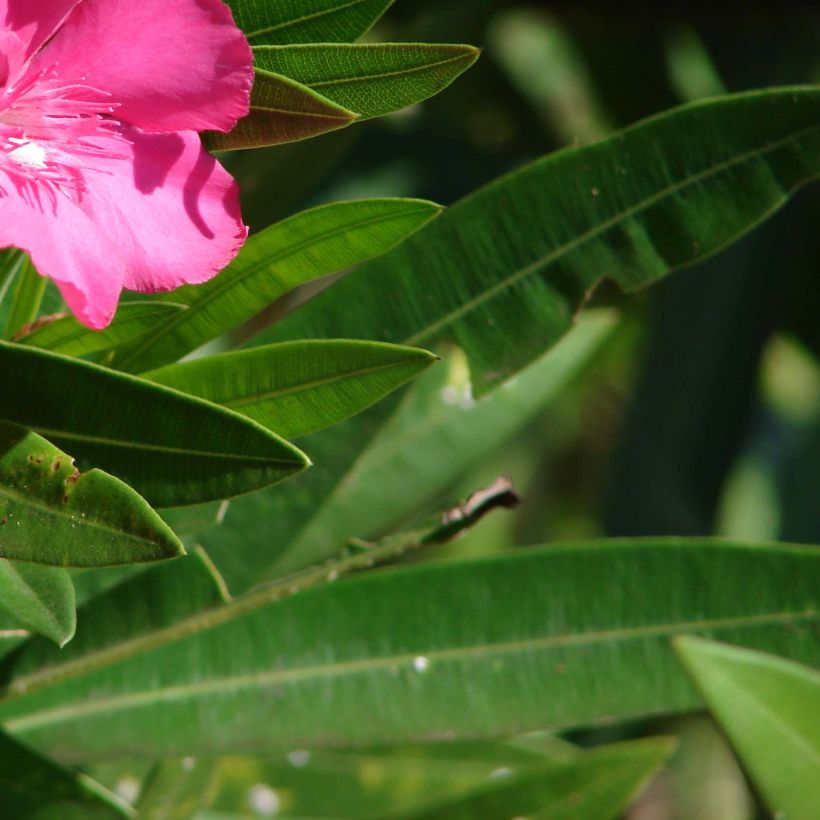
[103, 177]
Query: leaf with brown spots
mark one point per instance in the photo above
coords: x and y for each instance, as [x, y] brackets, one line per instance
[50, 513]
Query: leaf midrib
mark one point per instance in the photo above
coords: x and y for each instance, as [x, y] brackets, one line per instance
[364, 78]
[786, 730]
[297, 21]
[159, 448]
[305, 387]
[289, 676]
[598, 230]
[86, 522]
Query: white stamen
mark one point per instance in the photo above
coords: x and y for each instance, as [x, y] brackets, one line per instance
[30, 155]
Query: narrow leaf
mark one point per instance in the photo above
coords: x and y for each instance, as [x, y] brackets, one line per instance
[298, 387]
[282, 110]
[303, 248]
[51, 513]
[370, 79]
[770, 709]
[504, 272]
[305, 21]
[590, 624]
[172, 448]
[41, 598]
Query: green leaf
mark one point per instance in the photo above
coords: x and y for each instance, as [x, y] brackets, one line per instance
[576, 634]
[504, 272]
[298, 387]
[172, 448]
[596, 785]
[28, 295]
[770, 709]
[33, 787]
[371, 79]
[41, 598]
[69, 337]
[402, 470]
[305, 247]
[305, 21]
[51, 513]
[282, 110]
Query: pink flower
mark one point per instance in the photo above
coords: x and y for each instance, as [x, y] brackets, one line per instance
[103, 178]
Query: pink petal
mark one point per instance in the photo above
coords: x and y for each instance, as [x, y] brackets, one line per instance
[24, 26]
[172, 65]
[164, 216]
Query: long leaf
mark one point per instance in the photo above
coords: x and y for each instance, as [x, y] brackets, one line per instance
[66, 335]
[172, 448]
[40, 598]
[297, 388]
[51, 513]
[305, 247]
[304, 21]
[370, 79]
[574, 635]
[282, 110]
[770, 709]
[504, 272]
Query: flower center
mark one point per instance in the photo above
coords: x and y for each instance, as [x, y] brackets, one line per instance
[52, 133]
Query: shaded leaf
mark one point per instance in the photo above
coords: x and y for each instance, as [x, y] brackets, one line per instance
[770, 709]
[595, 785]
[370, 79]
[305, 247]
[172, 448]
[503, 273]
[51, 513]
[282, 110]
[41, 598]
[576, 634]
[34, 787]
[298, 387]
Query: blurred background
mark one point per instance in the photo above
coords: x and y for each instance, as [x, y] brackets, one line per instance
[699, 411]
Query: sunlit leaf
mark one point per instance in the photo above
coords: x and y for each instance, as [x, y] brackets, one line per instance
[303, 248]
[52, 513]
[575, 635]
[504, 272]
[298, 387]
[370, 79]
[172, 448]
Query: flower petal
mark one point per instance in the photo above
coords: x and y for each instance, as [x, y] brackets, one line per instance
[165, 215]
[24, 26]
[172, 65]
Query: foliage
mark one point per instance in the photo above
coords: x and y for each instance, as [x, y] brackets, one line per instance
[212, 620]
